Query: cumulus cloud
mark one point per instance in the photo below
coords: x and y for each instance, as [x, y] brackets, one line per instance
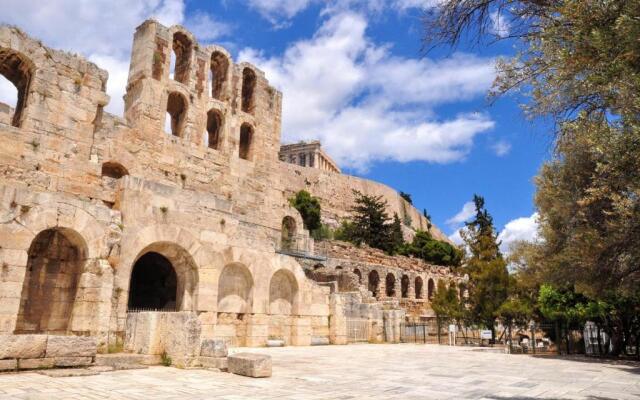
[101, 30]
[274, 10]
[525, 228]
[367, 105]
[456, 237]
[468, 210]
[501, 148]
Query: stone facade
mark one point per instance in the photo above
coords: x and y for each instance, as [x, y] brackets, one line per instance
[105, 220]
[308, 154]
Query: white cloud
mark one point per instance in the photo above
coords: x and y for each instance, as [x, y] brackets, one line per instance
[8, 92]
[101, 30]
[456, 237]
[500, 26]
[276, 9]
[205, 27]
[501, 148]
[468, 210]
[525, 228]
[367, 105]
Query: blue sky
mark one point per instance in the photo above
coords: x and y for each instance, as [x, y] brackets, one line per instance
[353, 75]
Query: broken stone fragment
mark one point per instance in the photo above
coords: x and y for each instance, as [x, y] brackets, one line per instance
[250, 364]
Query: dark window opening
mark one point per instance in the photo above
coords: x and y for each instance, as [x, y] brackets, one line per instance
[218, 75]
[114, 170]
[404, 286]
[214, 126]
[390, 282]
[182, 56]
[246, 137]
[418, 288]
[153, 284]
[358, 274]
[176, 111]
[374, 281]
[431, 289]
[248, 88]
[18, 70]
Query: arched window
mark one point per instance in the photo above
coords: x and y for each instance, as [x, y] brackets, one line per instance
[374, 282]
[218, 74]
[390, 283]
[431, 289]
[418, 287]
[181, 57]
[113, 170]
[214, 126]
[404, 286]
[358, 274]
[246, 137]
[18, 71]
[248, 89]
[288, 232]
[176, 112]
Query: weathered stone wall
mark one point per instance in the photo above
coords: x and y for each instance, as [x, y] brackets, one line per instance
[106, 191]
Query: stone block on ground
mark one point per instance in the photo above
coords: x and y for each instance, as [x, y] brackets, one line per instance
[72, 361]
[36, 363]
[250, 364]
[213, 348]
[8, 365]
[71, 346]
[320, 341]
[213, 362]
[22, 346]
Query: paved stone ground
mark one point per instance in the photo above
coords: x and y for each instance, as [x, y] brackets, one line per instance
[404, 371]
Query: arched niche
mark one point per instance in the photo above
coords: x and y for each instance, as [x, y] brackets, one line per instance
[390, 285]
[283, 293]
[431, 289]
[288, 234]
[56, 259]
[418, 287]
[248, 90]
[214, 128]
[114, 170]
[374, 283]
[404, 286]
[235, 289]
[246, 142]
[218, 74]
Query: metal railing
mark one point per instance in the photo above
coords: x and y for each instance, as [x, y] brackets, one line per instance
[357, 330]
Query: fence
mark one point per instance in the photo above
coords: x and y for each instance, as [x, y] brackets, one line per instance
[358, 330]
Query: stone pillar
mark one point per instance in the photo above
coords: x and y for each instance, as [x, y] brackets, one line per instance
[301, 331]
[12, 274]
[257, 330]
[392, 320]
[337, 320]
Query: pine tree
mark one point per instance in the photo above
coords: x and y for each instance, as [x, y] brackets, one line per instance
[488, 275]
[397, 237]
[370, 222]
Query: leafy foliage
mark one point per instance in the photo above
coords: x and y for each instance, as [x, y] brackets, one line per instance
[431, 250]
[446, 304]
[309, 208]
[370, 223]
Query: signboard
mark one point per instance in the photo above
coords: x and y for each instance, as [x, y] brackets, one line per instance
[485, 334]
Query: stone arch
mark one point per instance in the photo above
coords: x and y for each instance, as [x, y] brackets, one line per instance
[214, 128]
[289, 232]
[112, 169]
[248, 89]
[418, 287]
[374, 283]
[56, 259]
[235, 289]
[390, 285]
[339, 268]
[218, 74]
[431, 289]
[358, 274]
[163, 276]
[18, 70]
[182, 47]
[176, 113]
[318, 266]
[283, 293]
[404, 286]
[246, 142]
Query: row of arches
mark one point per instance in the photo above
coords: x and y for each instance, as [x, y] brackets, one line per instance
[373, 285]
[176, 117]
[164, 276]
[180, 66]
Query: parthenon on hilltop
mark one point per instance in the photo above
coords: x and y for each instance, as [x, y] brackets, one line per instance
[153, 241]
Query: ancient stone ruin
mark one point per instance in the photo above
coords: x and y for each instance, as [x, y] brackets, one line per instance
[157, 231]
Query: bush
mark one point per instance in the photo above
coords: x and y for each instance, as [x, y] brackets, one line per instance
[309, 208]
[432, 250]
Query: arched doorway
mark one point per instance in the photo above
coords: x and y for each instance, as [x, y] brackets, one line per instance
[431, 289]
[283, 291]
[154, 284]
[358, 274]
[390, 284]
[404, 286]
[418, 287]
[374, 282]
[55, 261]
[164, 277]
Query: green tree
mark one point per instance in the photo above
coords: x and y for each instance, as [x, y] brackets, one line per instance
[488, 275]
[406, 197]
[370, 223]
[309, 208]
[446, 304]
[433, 251]
[397, 237]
